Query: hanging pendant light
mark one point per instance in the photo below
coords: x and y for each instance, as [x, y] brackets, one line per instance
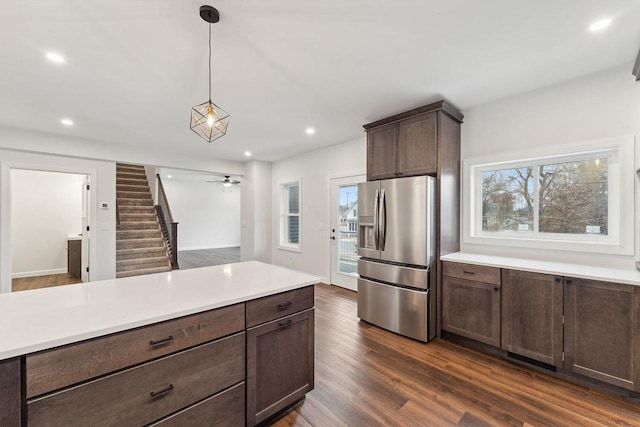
[207, 119]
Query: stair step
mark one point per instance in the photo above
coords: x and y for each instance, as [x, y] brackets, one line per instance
[140, 243]
[132, 181]
[148, 203]
[138, 253]
[138, 225]
[130, 175]
[137, 234]
[137, 209]
[125, 218]
[133, 194]
[129, 166]
[143, 271]
[142, 263]
[132, 187]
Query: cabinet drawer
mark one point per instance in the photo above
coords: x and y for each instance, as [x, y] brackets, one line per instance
[147, 392]
[273, 307]
[224, 409]
[478, 273]
[54, 369]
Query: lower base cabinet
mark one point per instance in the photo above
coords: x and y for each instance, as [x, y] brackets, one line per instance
[222, 410]
[10, 393]
[146, 393]
[602, 331]
[279, 364]
[532, 310]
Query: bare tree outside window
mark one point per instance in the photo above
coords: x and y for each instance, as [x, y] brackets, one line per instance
[507, 200]
[572, 198]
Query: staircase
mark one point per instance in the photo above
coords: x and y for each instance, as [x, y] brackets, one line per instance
[140, 246]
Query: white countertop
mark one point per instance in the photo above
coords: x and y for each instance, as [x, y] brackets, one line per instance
[630, 277]
[36, 320]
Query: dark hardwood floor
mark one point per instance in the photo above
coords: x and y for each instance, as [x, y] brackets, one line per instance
[366, 376]
[208, 257]
[27, 283]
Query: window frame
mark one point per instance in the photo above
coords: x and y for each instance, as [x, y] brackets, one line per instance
[619, 240]
[285, 214]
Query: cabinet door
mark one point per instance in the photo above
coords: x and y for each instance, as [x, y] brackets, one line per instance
[417, 145]
[10, 393]
[382, 146]
[532, 315]
[602, 331]
[279, 364]
[471, 309]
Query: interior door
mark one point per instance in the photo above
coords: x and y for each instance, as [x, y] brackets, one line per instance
[84, 263]
[344, 231]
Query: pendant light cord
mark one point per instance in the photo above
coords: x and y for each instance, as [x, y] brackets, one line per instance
[209, 61]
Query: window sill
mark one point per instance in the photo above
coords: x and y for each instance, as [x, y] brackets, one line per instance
[290, 248]
[604, 247]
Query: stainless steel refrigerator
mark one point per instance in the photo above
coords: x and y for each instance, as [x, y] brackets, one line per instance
[397, 255]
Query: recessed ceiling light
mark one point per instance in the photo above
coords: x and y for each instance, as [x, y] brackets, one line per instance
[310, 131]
[600, 24]
[55, 57]
[66, 122]
[168, 176]
[247, 153]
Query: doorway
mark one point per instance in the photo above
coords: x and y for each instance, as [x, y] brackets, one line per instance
[344, 231]
[49, 229]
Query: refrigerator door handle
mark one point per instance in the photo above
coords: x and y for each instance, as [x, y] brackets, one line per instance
[382, 226]
[375, 222]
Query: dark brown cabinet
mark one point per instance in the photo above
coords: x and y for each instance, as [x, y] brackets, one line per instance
[403, 148]
[532, 315]
[10, 394]
[279, 364]
[471, 308]
[602, 331]
[382, 152]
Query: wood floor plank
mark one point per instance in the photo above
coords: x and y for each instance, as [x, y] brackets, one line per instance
[366, 376]
[37, 282]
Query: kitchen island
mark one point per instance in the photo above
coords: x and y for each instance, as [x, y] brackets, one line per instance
[174, 348]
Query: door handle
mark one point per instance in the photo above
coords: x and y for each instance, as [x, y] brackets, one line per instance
[375, 221]
[333, 237]
[383, 220]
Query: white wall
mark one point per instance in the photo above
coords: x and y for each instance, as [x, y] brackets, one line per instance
[46, 208]
[256, 231]
[601, 105]
[102, 222]
[315, 168]
[67, 145]
[208, 214]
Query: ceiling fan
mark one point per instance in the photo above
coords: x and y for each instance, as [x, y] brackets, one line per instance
[227, 181]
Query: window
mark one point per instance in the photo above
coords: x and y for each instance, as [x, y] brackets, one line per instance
[290, 215]
[570, 201]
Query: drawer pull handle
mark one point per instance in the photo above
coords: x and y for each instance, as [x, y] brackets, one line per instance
[496, 288]
[285, 305]
[162, 341]
[469, 272]
[165, 390]
[286, 323]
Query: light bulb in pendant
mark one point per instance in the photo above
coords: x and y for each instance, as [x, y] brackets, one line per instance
[210, 115]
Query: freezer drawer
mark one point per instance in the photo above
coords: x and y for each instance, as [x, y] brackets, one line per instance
[398, 274]
[399, 310]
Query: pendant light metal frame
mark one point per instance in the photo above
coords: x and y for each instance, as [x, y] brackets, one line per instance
[208, 120]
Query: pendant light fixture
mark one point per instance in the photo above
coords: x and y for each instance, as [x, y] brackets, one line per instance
[207, 119]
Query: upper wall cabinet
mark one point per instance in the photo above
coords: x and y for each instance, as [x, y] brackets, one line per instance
[408, 144]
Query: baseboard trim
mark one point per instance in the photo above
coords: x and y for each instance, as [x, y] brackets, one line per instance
[38, 273]
[197, 248]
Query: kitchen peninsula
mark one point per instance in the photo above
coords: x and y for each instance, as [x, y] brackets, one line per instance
[171, 348]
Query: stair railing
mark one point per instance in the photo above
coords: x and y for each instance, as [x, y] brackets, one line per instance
[168, 226]
[117, 213]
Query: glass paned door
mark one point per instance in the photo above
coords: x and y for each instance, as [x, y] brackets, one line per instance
[344, 231]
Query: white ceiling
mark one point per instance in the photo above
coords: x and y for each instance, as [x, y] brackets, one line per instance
[136, 67]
